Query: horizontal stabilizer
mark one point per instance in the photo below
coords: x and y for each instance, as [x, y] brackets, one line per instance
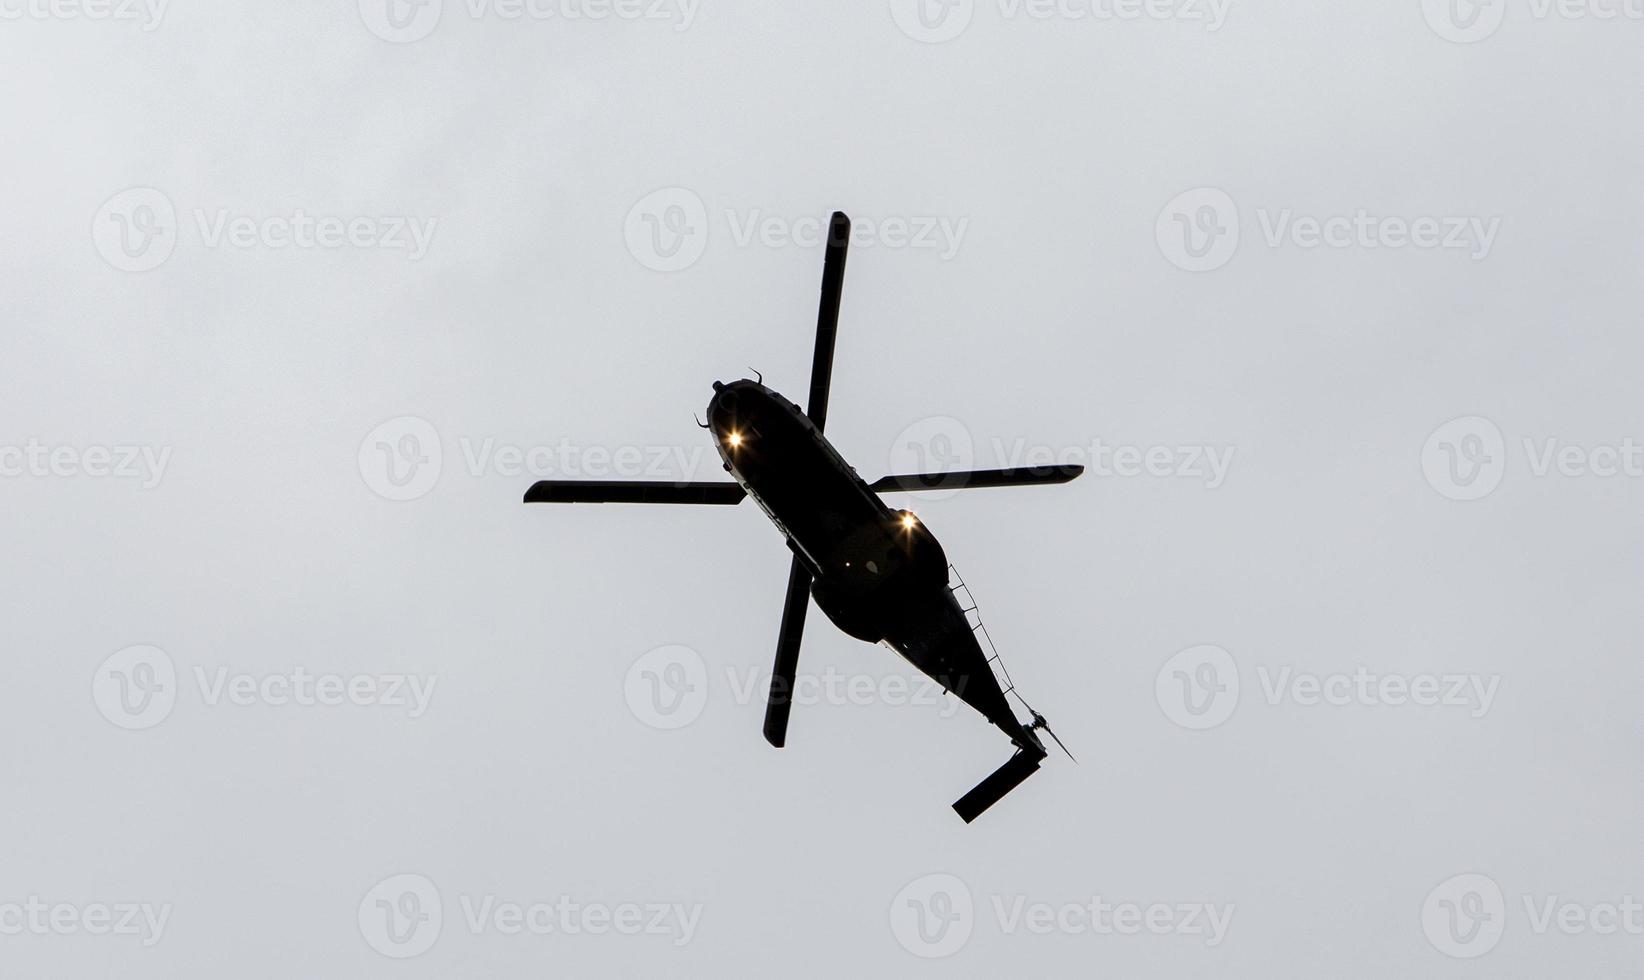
[632, 492]
[964, 479]
[993, 789]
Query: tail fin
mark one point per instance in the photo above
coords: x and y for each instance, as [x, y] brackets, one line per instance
[993, 789]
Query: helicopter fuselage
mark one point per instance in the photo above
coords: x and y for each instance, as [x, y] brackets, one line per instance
[877, 573]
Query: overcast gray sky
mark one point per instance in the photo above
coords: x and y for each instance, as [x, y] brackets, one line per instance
[1337, 303]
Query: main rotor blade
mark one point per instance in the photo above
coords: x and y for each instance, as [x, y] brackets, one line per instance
[632, 492]
[780, 700]
[964, 479]
[827, 319]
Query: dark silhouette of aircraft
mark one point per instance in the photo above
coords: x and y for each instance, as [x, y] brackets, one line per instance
[878, 574]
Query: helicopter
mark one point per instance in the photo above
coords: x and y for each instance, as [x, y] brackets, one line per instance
[877, 573]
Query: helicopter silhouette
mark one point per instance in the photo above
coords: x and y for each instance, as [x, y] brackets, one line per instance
[878, 574]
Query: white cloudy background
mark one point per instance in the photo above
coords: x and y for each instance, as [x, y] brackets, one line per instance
[1380, 258]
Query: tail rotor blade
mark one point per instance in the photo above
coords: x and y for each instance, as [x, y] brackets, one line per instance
[1059, 744]
[1040, 724]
